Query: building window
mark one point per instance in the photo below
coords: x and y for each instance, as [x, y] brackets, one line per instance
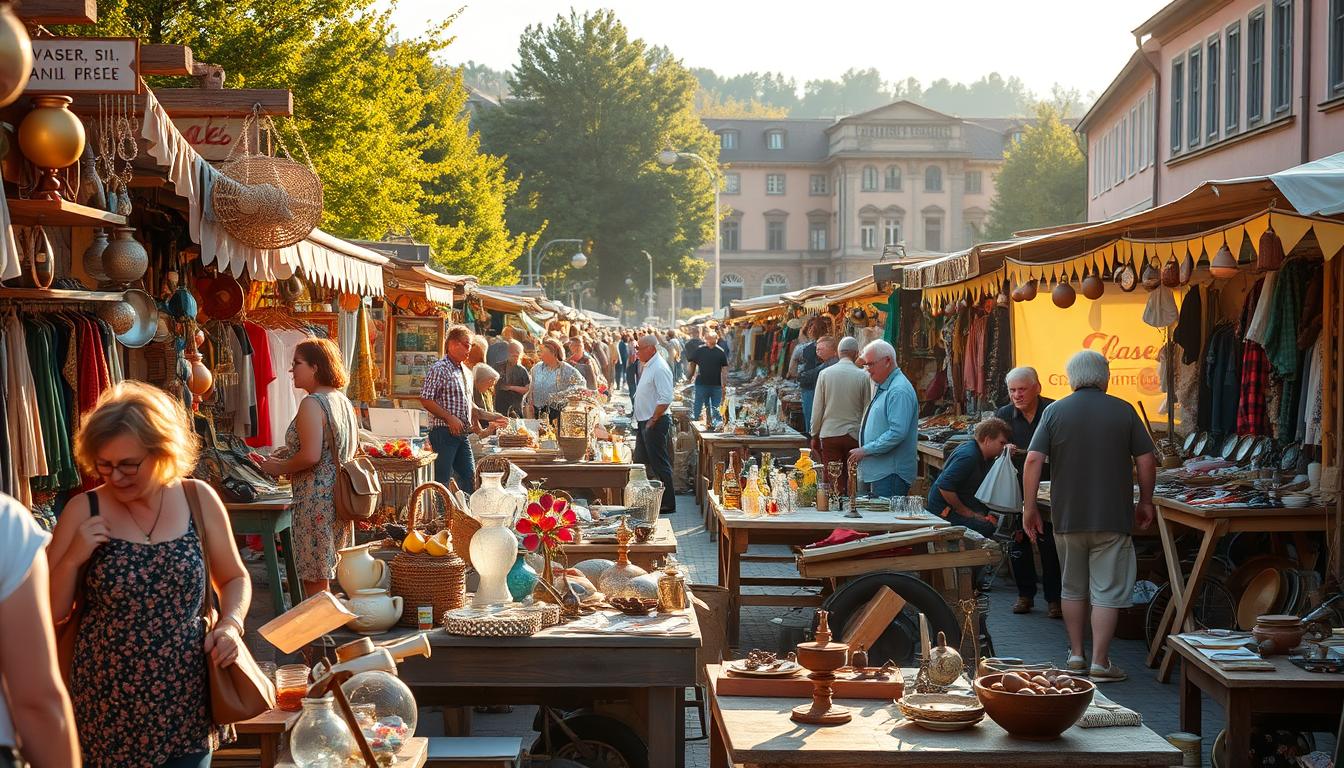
[817, 184]
[774, 283]
[933, 233]
[1193, 103]
[1232, 86]
[1123, 148]
[973, 231]
[868, 235]
[891, 231]
[1212, 95]
[692, 298]
[774, 235]
[730, 288]
[774, 139]
[1335, 60]
[732, 183]
[1255, 66]
[817, 235]
[1143, 133]
[727, 140]
[893, 177]
[819, 277]
[1118, 153]
[1177, 103]
[973, 182]
[933, 179]
[774, 183]
[1281, 66]
[1133, 139]
[869, 183]
[731, 238]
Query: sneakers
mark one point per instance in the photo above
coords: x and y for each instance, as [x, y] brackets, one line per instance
[1054, 611]
[1023, 605]
[1107, 674]
[1076, 664]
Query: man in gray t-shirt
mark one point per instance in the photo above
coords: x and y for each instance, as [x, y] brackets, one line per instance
[1093, 442]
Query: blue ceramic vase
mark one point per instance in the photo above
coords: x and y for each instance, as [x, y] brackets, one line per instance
[521, 579]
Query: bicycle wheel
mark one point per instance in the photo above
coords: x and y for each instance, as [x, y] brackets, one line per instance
[1214, 608]
[899, 641]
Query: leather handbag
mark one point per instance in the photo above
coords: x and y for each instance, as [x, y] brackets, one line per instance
[357, 487]
[67, 631]
[240, 691]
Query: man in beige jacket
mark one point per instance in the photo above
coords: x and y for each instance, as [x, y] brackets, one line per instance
[842, 395]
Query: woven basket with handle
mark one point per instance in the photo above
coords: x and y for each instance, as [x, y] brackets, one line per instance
[461, 526]
[425, 580]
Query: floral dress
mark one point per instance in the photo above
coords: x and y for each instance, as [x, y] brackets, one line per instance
[317, 531]
[140, 692]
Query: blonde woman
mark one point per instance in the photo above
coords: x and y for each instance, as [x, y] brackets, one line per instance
[131, 552]
[325, 417]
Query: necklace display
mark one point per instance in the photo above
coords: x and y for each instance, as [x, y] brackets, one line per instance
[116, 141]
[149, 535]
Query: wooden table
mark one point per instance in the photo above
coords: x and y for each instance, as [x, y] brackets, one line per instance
[1313, 699]
[751, 730]
[713, 447]
[647, 555]
[737, 533]
[1212, 523]
[269, 727]
[564, 670]
[269, 519]
[931, 457]
[594, 480]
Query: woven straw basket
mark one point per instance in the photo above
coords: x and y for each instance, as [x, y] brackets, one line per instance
[423, 579]
[461, 526]
[263, 201]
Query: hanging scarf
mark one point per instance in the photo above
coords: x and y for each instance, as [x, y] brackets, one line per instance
[361, 388]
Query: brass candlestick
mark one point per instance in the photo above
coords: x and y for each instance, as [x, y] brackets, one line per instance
[836, 497]
[853, 488]
[821, 658]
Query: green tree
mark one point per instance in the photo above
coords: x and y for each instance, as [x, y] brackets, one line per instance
[591, 110]
[382, 122]
[1043, 181]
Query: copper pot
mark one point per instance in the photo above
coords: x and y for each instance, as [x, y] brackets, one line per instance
[1063, 295]
[1277, 640]
[1093, 287]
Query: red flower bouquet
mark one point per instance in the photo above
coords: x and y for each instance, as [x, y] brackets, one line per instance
[547, 524]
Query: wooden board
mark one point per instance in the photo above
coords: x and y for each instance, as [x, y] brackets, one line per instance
[207, 102]
[801, 688]
[58, 11]
[873, 620]
[969, 558]
[880, 542]
[167, 60]
[60, 213]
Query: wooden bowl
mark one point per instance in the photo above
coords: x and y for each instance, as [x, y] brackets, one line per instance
[1033, 717]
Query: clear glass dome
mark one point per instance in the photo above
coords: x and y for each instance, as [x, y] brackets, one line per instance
[321, 738]
[394, 705]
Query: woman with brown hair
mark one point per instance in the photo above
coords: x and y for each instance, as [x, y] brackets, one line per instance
[325, 419]
[131, 552]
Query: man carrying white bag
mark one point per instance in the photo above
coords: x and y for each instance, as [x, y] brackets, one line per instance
[958, 494]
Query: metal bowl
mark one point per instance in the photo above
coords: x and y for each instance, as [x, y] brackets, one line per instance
[146, 319]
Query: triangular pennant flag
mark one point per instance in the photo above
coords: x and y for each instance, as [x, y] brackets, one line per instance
[1163, 253]
[1149, 252]
[1254, 229]
[1122, 250]
[1290, 229]
[1330, 237]
[1211, 245]
[1195, 248]
[1234, 236]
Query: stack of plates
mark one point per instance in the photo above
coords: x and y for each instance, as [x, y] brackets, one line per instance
[1295, 500]
[941, 711]
[781, 668]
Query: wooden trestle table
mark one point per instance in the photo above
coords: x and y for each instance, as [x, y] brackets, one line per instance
[713, 447]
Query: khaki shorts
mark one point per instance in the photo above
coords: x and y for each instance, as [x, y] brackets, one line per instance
[1099, 566]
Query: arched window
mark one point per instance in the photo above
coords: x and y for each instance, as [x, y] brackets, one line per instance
[730, 288]
[731, 279]
[869, 178]
[893, 180]
[774, 283]
[933, 179]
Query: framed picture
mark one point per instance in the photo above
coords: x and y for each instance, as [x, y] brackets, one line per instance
[327, 321]
[414, 344]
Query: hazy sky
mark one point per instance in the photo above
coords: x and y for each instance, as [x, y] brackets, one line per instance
[1079, 43]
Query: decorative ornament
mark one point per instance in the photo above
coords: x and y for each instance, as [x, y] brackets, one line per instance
[1270, 253]
[52, 138]
[1171, 274]
[1126, 277]
[821, 658]
[1150, 277]
[119, 315]
[1187, 270]
[1063, 295]
[93, 258]
[1093, 286]
[16, 55]
[1028, 290]
[617, 581]
[125, 259]
[1224, 265]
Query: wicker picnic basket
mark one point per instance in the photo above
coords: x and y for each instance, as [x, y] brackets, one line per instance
[425, 580]
[461, 525]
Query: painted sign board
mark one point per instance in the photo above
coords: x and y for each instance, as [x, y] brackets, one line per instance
[213, 137]
[69, 65]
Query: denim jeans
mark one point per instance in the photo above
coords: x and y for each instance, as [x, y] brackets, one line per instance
[891, 485]
[711, 395]
[808, 395]
[453, 460]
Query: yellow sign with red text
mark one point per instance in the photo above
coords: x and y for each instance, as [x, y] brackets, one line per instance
[1045, 337]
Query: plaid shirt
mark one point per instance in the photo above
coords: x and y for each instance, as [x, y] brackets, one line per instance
[1252, 418]
[446, 383]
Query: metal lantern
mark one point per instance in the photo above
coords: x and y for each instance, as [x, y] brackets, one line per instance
[1223, 265]
[52, 138]
[577, 420]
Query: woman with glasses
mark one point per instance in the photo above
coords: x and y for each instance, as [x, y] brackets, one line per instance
[130, 553]
[325, 418]
[552, 378]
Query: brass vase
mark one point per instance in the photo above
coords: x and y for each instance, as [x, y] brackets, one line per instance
[125, 259]
[52, 138]
[16, 55]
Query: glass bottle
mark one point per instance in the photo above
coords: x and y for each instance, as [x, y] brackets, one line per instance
[751, 493]
[731, 488]
[321, 739]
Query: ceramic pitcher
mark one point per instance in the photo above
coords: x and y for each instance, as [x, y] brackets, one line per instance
[375, 611]
[358, 569]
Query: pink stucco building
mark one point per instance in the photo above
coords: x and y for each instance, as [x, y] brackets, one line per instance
[811, 202]
[1215, 90]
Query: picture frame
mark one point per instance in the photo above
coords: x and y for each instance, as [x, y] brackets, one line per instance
[327, 321]
[413, 344]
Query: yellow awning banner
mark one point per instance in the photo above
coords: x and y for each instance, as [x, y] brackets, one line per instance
[1330, 237]
[1254, 229]
[1290, 229]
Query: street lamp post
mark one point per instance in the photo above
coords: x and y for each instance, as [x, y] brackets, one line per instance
[671, 156]
[577, 260]
[651, 292]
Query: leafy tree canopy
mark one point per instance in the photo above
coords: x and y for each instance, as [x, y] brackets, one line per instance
[1043, 181]
[383, 123]
[591, 109]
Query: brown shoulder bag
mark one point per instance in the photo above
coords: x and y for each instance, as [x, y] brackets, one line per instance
[357, 487]
[240, 691]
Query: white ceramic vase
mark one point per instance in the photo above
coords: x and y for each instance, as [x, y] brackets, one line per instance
[493, 547]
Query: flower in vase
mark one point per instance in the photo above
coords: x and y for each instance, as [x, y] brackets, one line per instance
[547, 523]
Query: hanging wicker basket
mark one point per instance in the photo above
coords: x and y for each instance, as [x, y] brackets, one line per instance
[426, 580]
[266, 201]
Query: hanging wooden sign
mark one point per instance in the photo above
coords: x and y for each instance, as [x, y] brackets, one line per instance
[69, 65]
[213, 137]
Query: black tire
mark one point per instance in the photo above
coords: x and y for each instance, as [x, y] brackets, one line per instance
[899, 642]
[611, 743]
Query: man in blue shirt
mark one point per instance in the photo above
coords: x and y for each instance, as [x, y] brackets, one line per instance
[952, 495]
[886, 452]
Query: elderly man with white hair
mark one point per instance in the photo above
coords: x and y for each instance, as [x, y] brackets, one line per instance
[1093, 442]
[653, 396]
[842, 395]
[886, 452]
[1023, 415]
